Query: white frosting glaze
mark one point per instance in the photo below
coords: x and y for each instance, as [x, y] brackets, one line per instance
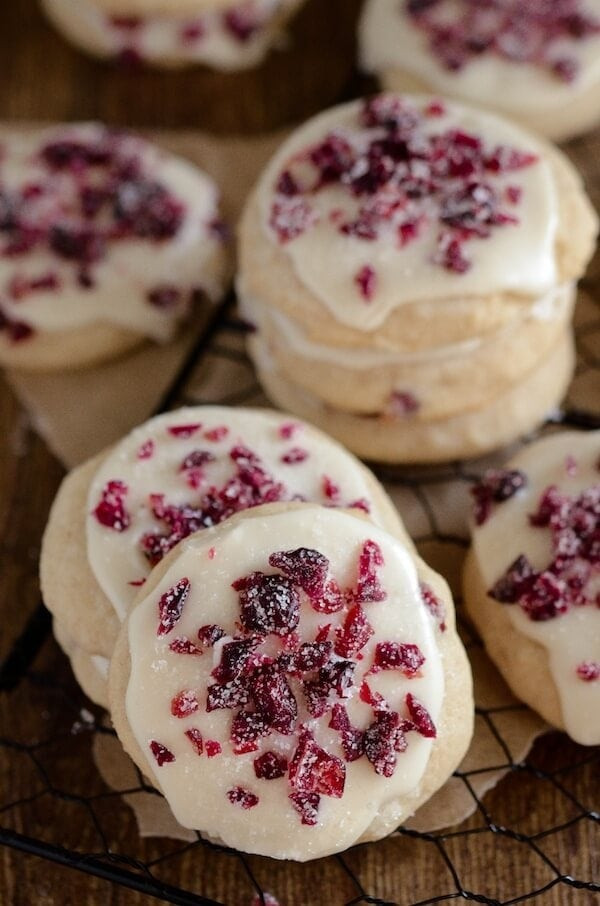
[116, 558]
[196, 787]
[552, 305]
[407, 274]
[571, 638]
[160, 38]
[131, 267]
[389, 39]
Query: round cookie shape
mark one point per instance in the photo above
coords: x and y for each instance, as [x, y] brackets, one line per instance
[533, 581]
[301, 690]
[224, 34]
[414, 200]
[104, 241]
[536, 62]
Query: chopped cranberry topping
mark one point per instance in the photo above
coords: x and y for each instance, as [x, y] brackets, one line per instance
[366, 280]
[214, 435]
[197, 459]
[146, 450]
[184, 646]
[336, 677]
[241, 797]
[304, 567]
[16, 331]
[129, 23]
[270, 766]
[290, 217]
[355, 633]
[368, 586]
[402, 403]
[212, 747]
[191, 32]
[307, 806]
[313, 770]
[273, 698]
[170, 606]
[398, 656]
[434, 605]
[234, 657]
[161, 753]
[247, 727]
[195, 737]
[184, 431]
[164, 297]
[496, 486]
[295, 455]
[184, 704]
[288, 429]
[111, 511]
[210, 634]
[518, 578]
[227, 696]
[330, 489]
[589, 671]
[382, 740]
[242, 22]
[512, 30]
[352, 739]
[420, 717]
[309, 656]
[19, 287]
[268, 604]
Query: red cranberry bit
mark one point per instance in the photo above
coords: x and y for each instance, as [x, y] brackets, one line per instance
[73, 154]
[268, 898]
[336, 677]
[518, 579]
[398, 656]
[146, 450]
[16, 331]
[161, 753]
[382, 740]
[270, 766]
[195, 737]
[19, 287]
[361, 504]
[435, 108]
[184, 646]
[290, 217]
[288, 429]
[242, 798]
[170, 606]
[295, 455]
[111, 511]
[146, 209]
[234, 658]
[402, 403]
[589, 671]
[571, 466]
[226, 697]
[368, 587]
[247, 727]
[273, 698]
[450, 254]
[127, 23]
[214, 435]
[184, 431]
[310, 656]
[307, 806]
[83, 245]
[184, 704]
[304, 567]
[210, 634]
[434, 605]
[366, 280]
[420, 717]
[137, 583]
[514, 194]
[331, 491]
[496, 486]
[242, 22]
[352, 739]
[546, 598]
[313, 770]
[191, 33]
[287, 185]
[212, 748]
[268, 604]
[355, 633]
[196, 459]
[164, 297]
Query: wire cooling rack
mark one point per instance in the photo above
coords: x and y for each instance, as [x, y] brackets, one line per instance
[65, 813]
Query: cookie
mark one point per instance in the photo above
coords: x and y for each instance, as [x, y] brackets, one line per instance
[223, 34]
[117, 515]
[105, 242]
[535, 62]
[90, 670]
[373, 269]
[532, 578]
[309, 697]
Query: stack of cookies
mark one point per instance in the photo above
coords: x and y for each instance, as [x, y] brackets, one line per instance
[408, 267]
[277, 659]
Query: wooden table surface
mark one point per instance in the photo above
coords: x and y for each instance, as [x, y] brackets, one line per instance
[44, 79]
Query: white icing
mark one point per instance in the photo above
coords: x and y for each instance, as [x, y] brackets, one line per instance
[160, 37]
[131, 267]
[571, 638]
[115, 557]
[100, 665]
[195, 786]
[389, 38]
[552, 305]
[407, 274]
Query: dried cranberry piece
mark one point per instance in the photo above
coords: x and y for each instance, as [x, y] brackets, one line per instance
[161, 753]
[588, 671]
[368, 586]
[170, 606]
[352, 637]
[234, 658]
[84, 244]
[164, 297]
[434, 605]
[191, 32]
[287, 185]
[69, 153]
[313, 770]
[184, 646]
[496, 486]
[247, 727]
[270, 766]
[402, 403]
[519, 577]
[352, 739]
[331, 600]
[331, 490]
[290, 217]
[268, 604]
[242, 798]
[366, 280]
[336, 677]
[146, 209]
[210, 634]
[111, 511]
[546, 598]
[332, 157]
[242, 22]
[294, 456]
[420, 716]
[226, 696]
[398, 656]
[214, 435]
[307, 806]
[273, 698]
[184, 703]
[213, 748]
[146, 450]
[310, 656]
[382, 739]
[304, 567]
[195, 737]
[184, 431]
[196, 459]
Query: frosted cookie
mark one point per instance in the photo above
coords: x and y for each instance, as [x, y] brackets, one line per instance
[105, 240]
[223, 34]
[117, 515]
[532, 580]
[373, 267]
[536, 62]
[308, 698]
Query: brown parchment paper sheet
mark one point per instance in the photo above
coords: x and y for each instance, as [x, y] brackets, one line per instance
[82, 412]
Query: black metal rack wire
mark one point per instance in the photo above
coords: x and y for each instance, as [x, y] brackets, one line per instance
[35, 676]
